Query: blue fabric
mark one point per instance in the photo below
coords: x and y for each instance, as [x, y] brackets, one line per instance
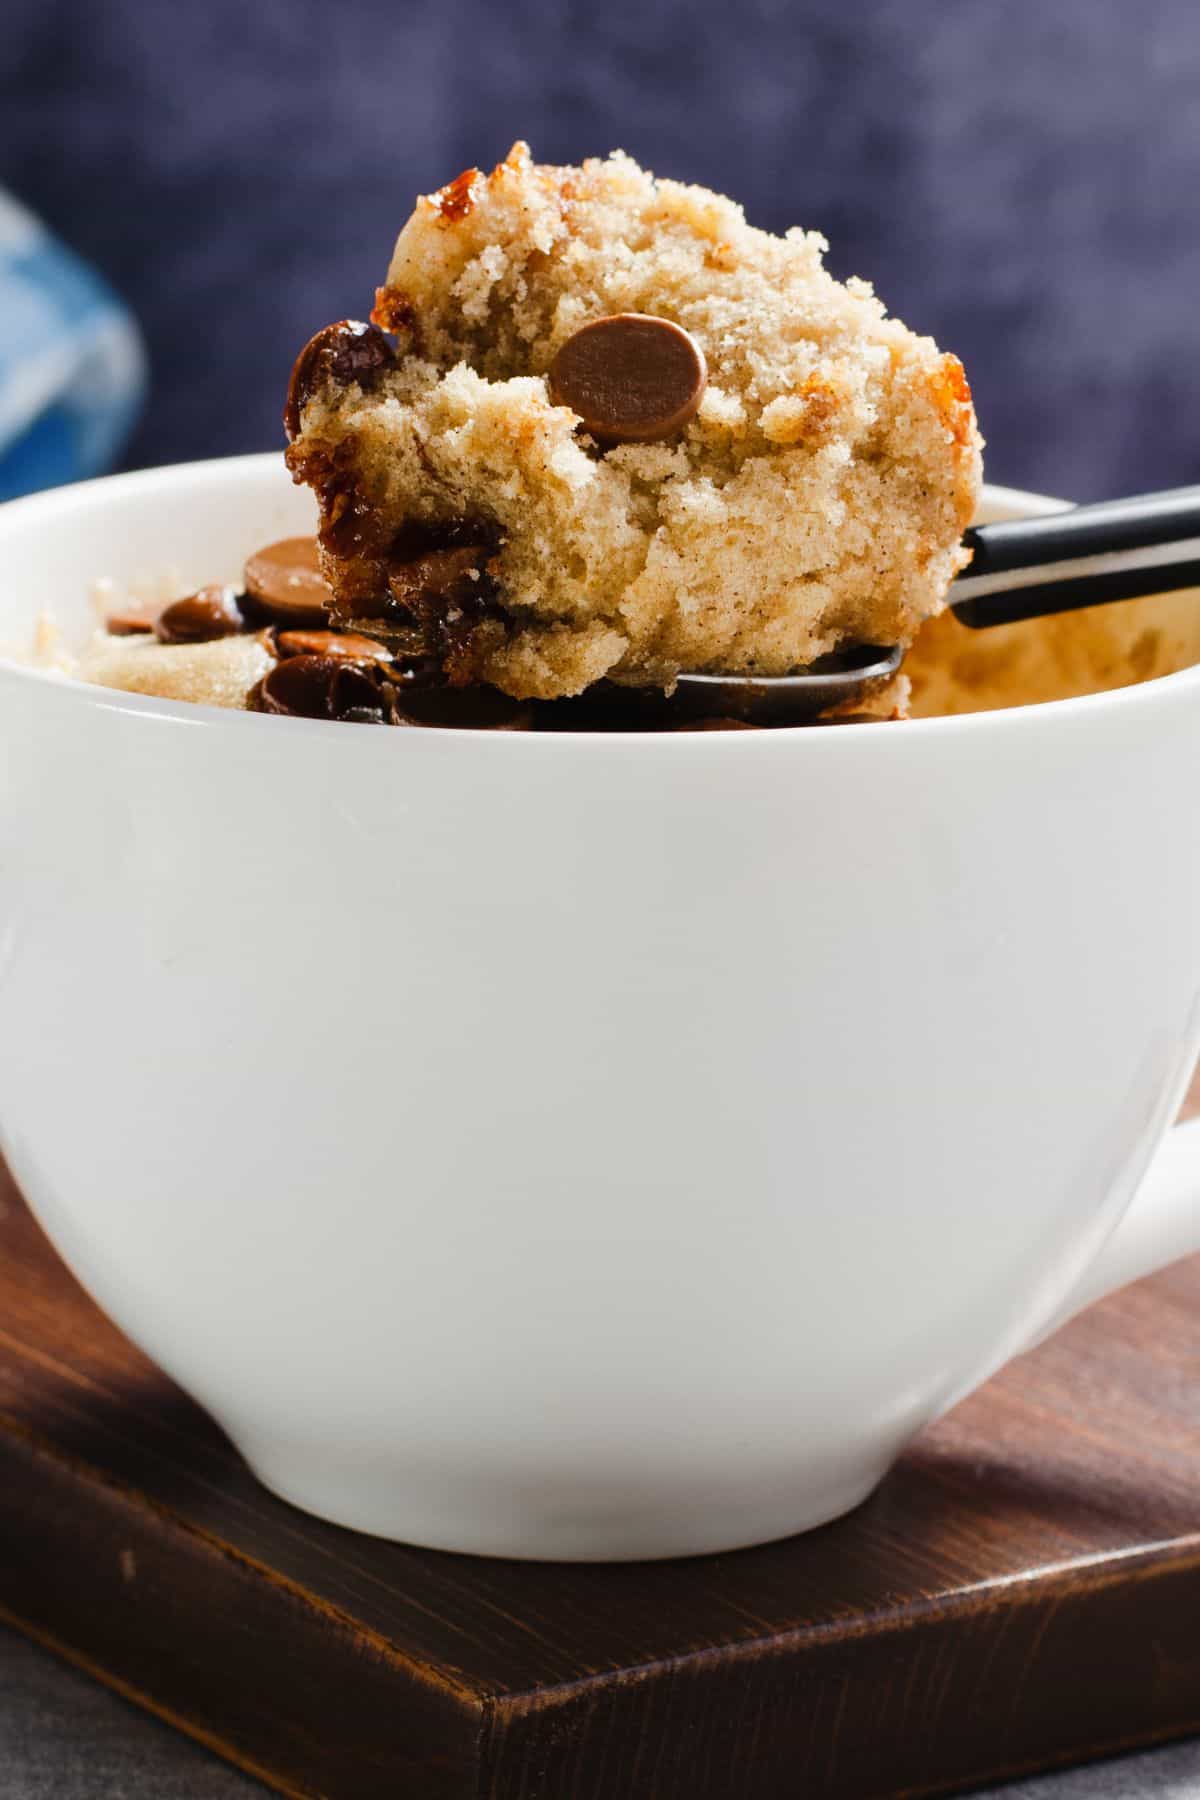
[72, 371]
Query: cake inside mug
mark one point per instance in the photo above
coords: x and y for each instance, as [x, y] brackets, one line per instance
[598, 432]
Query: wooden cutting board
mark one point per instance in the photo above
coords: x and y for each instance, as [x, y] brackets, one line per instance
[1024, 1590]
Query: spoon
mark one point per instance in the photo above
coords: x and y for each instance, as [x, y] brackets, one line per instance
[1020, 569]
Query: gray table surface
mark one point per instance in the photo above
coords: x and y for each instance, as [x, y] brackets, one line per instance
[64, 1737]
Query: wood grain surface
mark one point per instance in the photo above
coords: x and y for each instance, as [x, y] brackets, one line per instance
[1023, 1590]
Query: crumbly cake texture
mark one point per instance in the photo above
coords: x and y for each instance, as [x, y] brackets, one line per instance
[816, 500]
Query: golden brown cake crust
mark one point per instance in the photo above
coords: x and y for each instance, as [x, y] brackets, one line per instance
[816, 499]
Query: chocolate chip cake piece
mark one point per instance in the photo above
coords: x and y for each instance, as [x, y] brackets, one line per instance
[802, 489]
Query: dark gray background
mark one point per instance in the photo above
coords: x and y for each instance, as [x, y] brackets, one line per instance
[1020, 178]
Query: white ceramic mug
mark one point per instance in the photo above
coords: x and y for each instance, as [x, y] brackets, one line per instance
[567, 1146]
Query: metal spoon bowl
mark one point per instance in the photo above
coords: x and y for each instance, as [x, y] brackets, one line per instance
[844, 677]
[740, 699]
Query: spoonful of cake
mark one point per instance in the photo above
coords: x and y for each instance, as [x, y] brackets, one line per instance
[600, 432]
[602, 438]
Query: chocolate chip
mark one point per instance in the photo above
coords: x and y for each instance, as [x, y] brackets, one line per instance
[211, 612]
[298, 687]
[321, 687]
[438, 577]
[355, 696]
[347, 644]
[348, 351]
[286, 583]
[424, 563]
[395, 636]
[131, 621]
[449, 596]
[632, 378]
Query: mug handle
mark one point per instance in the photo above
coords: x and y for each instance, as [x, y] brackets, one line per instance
[1161, 1225]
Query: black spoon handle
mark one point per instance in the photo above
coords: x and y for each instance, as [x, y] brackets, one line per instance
[1116, 550]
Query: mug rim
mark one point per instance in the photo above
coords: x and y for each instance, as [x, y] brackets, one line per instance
[121, 701]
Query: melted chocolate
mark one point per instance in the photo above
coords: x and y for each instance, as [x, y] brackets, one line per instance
[211, 612]
[323, 687]
[348, 351]
[426, 594]
[349, 530]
